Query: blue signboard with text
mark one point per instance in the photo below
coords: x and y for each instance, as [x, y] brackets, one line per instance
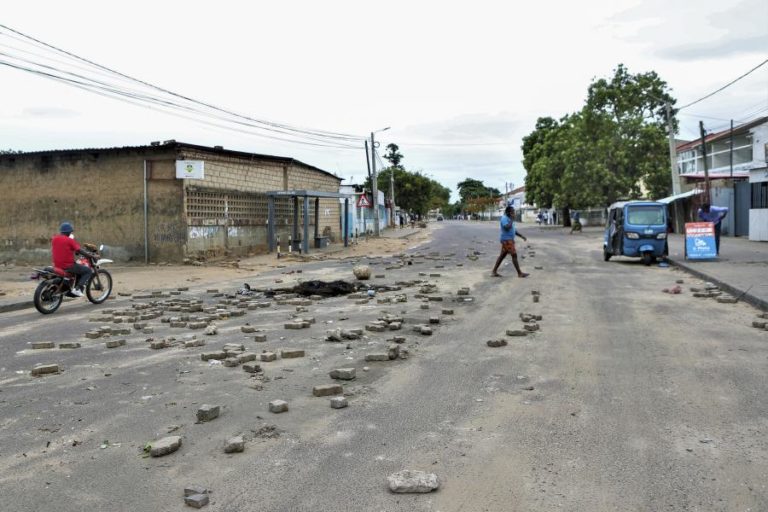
[700, 241]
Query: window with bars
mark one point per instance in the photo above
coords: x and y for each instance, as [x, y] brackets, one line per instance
[240, 208]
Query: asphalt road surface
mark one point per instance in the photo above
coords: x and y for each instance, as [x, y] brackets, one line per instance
[627, 399]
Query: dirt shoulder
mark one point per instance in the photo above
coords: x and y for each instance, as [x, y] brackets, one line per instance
[15, 279]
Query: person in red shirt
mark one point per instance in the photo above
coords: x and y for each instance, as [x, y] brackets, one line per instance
[63, 250]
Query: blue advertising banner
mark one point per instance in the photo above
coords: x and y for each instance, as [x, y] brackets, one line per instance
[700, 241]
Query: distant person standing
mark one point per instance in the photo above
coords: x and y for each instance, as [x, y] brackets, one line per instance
[507, 239]
[715, 215]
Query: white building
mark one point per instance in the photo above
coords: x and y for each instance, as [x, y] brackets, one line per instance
[742, 174]
[361, 217]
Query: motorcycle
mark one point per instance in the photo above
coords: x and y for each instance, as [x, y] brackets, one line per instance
[56, 283]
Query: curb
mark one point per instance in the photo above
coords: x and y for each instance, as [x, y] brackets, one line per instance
[741, 294]
[15, 306]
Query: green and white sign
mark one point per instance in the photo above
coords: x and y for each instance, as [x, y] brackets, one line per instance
[190, 169]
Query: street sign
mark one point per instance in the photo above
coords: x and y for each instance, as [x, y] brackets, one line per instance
[700, 241]
[363, 202]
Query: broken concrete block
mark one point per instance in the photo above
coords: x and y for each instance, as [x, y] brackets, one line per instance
[393, 351]
[196, 500]
[447, 311]
[434, 320]
[158, 344]
[69, 345]
[208, 412]
[44, 369]
[233, 347]
[252, 368]
[339, 402]
[327, 389]
[267, 357]
[291, 353]
[531, 327]
[407, 481]
[496, 343]
[37, 345]
[165, 446]
[425, 330]
[362, 272]
[115, 343]
[211, 330]
[231, 363]
[278, 406]
[178, 324]
[92, 335]
[195, 489]
[197, 325]
[375, 327]
[234, 445]
[260, 338]
[516, 332]
[758, 324]
[294, 325]
[247, 329]
[333, 335]
[343, 373]
[377, 356]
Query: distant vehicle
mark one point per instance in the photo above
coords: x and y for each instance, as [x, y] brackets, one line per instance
[636, 229]
[439, 217]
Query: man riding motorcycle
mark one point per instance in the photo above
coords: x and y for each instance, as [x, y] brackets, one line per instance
[63, 251]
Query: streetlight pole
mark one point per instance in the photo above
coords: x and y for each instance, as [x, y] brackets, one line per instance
[375, 183]
[392, 193]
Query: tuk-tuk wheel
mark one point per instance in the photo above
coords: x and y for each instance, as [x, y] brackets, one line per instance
[606, 254]
[648, 259]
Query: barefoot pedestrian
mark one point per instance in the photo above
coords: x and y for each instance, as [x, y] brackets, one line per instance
[507, 239]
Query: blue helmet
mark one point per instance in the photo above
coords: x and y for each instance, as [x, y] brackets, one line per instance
[66, 228]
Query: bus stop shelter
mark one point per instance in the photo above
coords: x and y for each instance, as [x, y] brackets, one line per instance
[304, 196]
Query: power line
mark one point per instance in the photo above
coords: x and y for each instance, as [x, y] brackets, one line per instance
[274, 125]
[724, 87]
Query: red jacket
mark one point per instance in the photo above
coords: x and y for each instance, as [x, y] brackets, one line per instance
[63, 251]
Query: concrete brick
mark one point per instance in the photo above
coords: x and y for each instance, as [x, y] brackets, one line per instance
[260, 338]
[377, 356]
[278, 406]
[195, 489]
[234, 445]
[37, 345]
[208, 412]
[205, 356]
[291, 353]
[196, 500]
[343, 373]
[252, 368]
[69, 345]
[165, 446]
[339, 402]
[327, 390]
[267, 357]
[44, 369]
[114, 343]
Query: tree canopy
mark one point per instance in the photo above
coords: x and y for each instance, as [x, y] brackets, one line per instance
[475, 197]
[614, 148]
[414, 192]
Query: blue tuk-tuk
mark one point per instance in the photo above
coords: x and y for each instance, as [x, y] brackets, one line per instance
[636, 229]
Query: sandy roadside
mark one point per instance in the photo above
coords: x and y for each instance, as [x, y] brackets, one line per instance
[15, 279]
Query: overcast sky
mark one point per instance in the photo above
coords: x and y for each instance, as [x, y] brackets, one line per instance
[460, 83]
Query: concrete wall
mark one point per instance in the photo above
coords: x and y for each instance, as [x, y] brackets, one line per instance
[100, 192]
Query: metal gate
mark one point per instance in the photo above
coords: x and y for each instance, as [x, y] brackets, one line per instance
[741, 202]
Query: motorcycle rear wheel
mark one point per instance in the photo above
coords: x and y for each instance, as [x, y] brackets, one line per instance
[46, 299]
[99, 286]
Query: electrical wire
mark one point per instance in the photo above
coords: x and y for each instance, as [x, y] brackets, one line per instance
[274, 125]
[724, 87]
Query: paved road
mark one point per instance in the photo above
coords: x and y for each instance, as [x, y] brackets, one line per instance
[640, 400]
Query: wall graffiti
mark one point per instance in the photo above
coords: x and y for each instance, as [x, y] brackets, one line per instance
[196, 232]
[169, 233]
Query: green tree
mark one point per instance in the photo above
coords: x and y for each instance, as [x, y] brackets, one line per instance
[615, 147]
[414, 192]
[475, 196]
[393, 155]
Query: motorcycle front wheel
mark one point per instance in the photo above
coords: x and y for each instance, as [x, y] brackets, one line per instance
[47, 299]
[99, 286]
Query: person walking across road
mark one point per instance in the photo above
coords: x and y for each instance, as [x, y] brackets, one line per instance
[507, 239]
[715, 215]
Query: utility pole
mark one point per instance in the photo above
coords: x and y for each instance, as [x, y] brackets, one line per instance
[672, 151]
[392, 195]
[730, 153]
[704, 158]
[375, 188]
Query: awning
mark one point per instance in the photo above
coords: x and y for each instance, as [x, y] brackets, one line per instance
[690, 193]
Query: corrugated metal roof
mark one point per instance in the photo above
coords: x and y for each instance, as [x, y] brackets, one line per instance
[722, 134]
[172, 144]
